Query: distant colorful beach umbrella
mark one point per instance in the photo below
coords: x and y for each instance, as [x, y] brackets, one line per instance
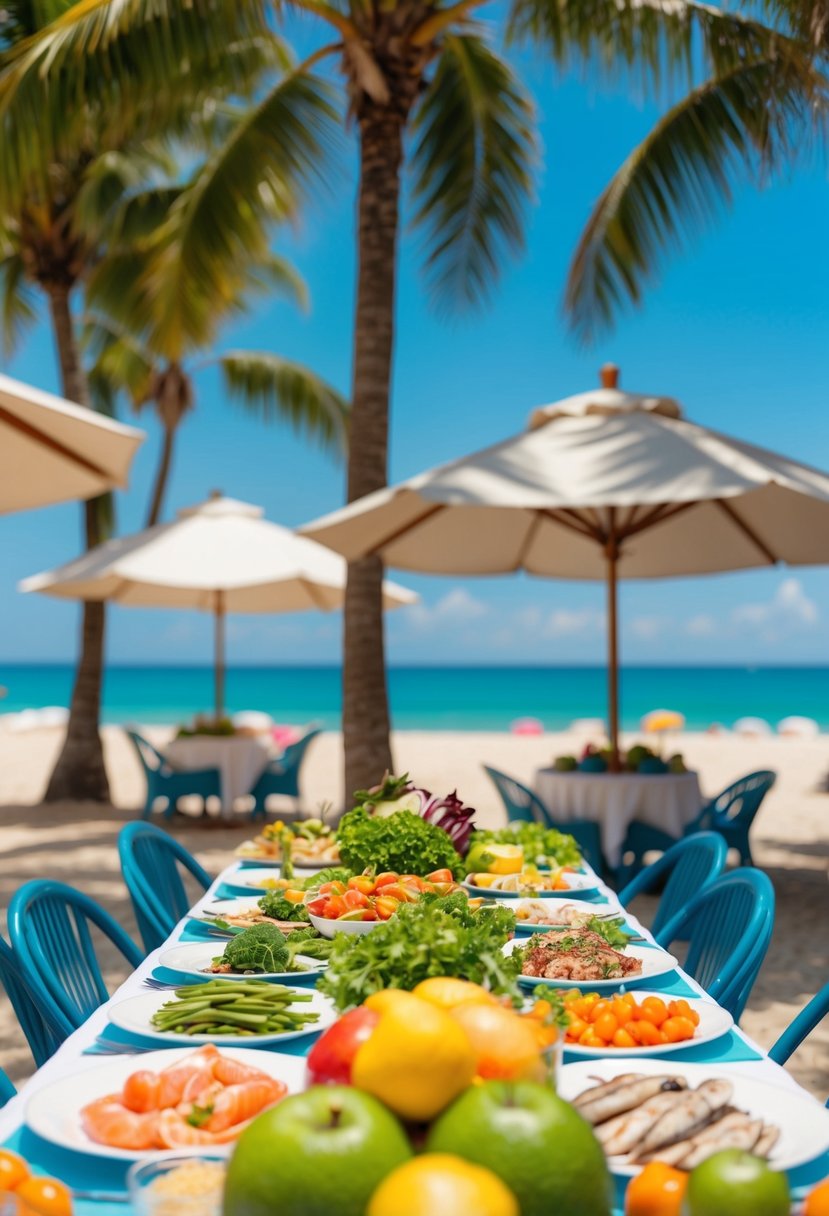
[220, 556]
[659, 720]
[604, 485]
[53, 451]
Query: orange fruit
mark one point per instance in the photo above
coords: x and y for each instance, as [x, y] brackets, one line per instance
[44, 1197]
[447, 992]
[506, 1045]
[817, 1201]
[657, 1191]
[13, 1170]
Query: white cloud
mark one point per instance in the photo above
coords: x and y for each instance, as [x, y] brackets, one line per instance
[647, 627]
[458, 606]
[566, 622]
[702, 626]
[789, 607]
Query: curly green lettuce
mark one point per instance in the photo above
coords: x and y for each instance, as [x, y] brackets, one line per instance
[404, 843]
[541, 845]
[261, 948]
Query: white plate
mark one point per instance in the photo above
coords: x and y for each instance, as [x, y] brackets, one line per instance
[252, 877]
[606, 910]
[578, 887]
[134, 1015]
[655, 962]
[192, 958]
[53, 1112]
[264, 859]
[714, 1022]
[220, 909]
[803, 1122]
[328, 928]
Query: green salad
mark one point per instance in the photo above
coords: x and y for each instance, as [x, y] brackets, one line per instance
[403, 842]
[541, 845]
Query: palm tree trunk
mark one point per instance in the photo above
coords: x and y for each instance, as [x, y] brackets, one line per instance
[79, 772]
[162, 476]
[365, 698]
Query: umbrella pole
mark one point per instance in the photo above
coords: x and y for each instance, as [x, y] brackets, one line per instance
[219, 654]
[611, 552]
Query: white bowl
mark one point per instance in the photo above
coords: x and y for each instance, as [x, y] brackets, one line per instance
[329, 927]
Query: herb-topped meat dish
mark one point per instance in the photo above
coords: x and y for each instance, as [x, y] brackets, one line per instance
[580, 955]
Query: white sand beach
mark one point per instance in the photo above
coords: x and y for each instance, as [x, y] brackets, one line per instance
[76, 843]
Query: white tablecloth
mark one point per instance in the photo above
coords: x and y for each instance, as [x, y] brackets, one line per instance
[239, 760]
[666, 800]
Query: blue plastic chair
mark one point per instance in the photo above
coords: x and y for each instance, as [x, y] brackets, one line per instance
[524, 806]
[7, 1090]
[690, 865]
[49, 925]
[731, 814]
[44, 1033]
[151, 863]
[728, 926]
[164, 781]
[805, 1022]
[282, 776]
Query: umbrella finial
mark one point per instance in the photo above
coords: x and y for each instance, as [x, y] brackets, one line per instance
[215, 495]
[609, 375]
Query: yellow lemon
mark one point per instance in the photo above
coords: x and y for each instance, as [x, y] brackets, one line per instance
[441, 1183]
[447, 992]
[417, 1059]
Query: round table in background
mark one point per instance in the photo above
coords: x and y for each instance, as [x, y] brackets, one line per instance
[239, 760]
[669, 801]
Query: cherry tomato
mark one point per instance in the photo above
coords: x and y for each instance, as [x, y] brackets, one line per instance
[606, 1026]
[678, 1029]
[13, 1170]
[333, 888]
[355, 899]
[331, 1057]
[44, 1197]
[657, 1191]
[623, 1038]
[362, 883]
[395, 890]
[317, 906]
[440, 876]
[334, 907]
[654, 1010]
[388, 876]
[385, 907]
[600, 1009]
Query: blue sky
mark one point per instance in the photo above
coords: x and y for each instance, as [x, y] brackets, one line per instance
[737, 329]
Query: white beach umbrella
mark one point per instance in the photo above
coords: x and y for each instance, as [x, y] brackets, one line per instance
[52, 450]
[603, 485]
[220, 556]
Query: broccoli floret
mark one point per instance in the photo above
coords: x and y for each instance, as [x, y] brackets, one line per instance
[260, 948]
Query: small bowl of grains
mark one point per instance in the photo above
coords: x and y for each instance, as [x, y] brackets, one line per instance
[177, 1186]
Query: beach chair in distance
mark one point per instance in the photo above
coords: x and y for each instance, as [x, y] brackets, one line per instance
[524, 806]
[688, 866]
[44, 1033]
[7, 1090]
[810, 1016]
[164, 781]
[282, 776]
[151, 863]
[49, 926]
[728, 926]
[731, 814]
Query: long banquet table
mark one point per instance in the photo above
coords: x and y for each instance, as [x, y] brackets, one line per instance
[735, 1051]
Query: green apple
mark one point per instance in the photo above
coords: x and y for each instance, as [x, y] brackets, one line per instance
[319, 1153]
[534, 1141]
[734, 1183]
[565, 764]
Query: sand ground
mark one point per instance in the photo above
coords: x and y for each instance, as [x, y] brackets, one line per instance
[76, 843]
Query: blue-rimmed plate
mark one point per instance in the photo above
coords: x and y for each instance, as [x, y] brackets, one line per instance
[195, 958]
[579, 886]
[655, 962]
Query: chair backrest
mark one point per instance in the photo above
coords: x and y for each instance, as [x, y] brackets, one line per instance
[805, 1022]
[729, 926]
[150, 861]
[44, 1034]
[293, 754]
[7, 1090]
[520, 802]
[739, 802]
[49, 925]
[152, 761]
[690, 864]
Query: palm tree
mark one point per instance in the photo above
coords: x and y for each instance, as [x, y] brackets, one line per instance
[144, 339]
[54, 217]
[422, 77]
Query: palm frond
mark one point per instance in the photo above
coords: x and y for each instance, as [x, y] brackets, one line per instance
[663, 40]
[274, 388]
[219, 226]
[743, 125]
[141, 214]
[120, 363]
[117, 58]
[473, 164]
[18, 301]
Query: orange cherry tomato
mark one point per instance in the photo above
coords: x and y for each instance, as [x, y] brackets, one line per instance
[677, 1029]
[599, 1010]
[388, 876]
[606, 1026]
[654, 1010]
[576, 1028]
[362, 883]
[681, 1009]
[591, 1039]
[355, 899]
[645, 1033]
[623, 1038]
[440, 876]
[621, 1010]
[385, 907]
[44, 1197]
[13, 1170]
[817, 1201]
[657, 1191]
[396, 890]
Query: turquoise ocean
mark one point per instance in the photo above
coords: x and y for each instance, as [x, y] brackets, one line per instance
[441, 698]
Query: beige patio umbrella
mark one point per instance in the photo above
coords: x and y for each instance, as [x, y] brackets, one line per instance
[602, 485]
[220, 556]
[52, 450]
